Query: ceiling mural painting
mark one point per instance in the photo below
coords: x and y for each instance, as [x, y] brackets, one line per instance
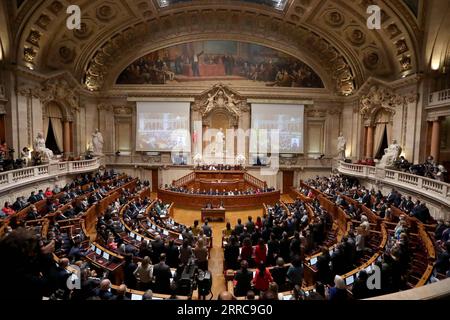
[220, 60]
[329, 36]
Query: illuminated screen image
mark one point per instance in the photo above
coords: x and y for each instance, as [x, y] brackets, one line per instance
[285, 119]
[163, 126]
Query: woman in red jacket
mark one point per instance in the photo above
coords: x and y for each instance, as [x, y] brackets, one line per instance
[262, 278]
[7, 210]
[48, 193]
[260, 253]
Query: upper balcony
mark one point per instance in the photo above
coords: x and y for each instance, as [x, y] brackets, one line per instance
[21, 177]
[439, 98]
[433, 189]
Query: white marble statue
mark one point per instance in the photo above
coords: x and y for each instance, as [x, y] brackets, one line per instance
[219, 142]
[391, 154]
[97, 142]
[39, 146]
[341, 146]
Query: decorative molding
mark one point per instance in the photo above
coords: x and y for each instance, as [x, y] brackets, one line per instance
[379, 98]
[221, 97]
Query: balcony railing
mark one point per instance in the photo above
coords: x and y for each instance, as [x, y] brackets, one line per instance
[439, 98]
[434, 189]
[23, 176]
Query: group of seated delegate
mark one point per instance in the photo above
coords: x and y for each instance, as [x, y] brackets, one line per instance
[218, 167]
[337, 185]
[29, 267]
[217, 192]
[398, 251]
[147, 265]
[58, 197]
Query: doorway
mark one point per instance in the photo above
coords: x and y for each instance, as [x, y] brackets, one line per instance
[288, 181]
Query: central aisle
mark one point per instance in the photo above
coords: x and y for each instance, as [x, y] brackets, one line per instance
[215, 264]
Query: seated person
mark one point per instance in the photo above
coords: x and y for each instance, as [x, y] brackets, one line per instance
[8, 210]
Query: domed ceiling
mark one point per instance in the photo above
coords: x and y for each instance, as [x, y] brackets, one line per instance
[331, 37]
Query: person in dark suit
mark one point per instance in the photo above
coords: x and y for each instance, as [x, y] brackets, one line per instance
[33, 198]
[33, 214]
[243, 279]
[157, 248]
[173, 254]
[104, 290]
[338, 260]
[60, 275]
[162, 275]
[279, 274]
[18, 205]
[366, 199]
[323, 267]
[442, 264]
[239, 228]
[128, 271]
[360, 289]
[231, 253]
[70, 212]
[207, 229]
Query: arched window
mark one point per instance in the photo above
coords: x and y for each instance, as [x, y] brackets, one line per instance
[383, 132]
[53, 128]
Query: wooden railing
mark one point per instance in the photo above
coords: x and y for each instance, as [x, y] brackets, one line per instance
[436, 190]
[19, 177]
[254, 181]
[184, 180]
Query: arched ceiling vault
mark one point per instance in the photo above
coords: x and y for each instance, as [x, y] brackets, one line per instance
[329, 35]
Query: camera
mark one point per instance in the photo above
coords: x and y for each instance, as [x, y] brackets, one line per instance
[192, 278]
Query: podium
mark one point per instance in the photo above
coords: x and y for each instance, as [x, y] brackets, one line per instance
[217, 214]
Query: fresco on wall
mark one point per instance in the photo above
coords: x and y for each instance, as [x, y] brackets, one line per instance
[220, 60]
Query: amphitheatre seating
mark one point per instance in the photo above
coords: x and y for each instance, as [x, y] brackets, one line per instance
[424, 251]
[228, 180]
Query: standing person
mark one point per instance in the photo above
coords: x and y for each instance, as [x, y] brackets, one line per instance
[201, 255]
[195, 64]
[262, 278]
[207, 229]
[185, 252]
[162, 275]
[144, 274]
[242, 280]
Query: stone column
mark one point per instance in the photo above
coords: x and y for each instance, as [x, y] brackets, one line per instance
[66, 137]
[369, 142]
[436, 139]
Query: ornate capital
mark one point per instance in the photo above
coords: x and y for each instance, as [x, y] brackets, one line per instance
[316, 113]
[104, 107]
[122, 110]
[380, 98]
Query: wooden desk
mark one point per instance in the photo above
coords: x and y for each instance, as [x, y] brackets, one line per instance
[213, 214]
[199, 201]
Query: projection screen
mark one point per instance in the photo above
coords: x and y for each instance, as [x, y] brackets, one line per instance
[163, 126]
[286, 118]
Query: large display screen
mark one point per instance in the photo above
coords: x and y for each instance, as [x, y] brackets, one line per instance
[283, 120]
[163, 126]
